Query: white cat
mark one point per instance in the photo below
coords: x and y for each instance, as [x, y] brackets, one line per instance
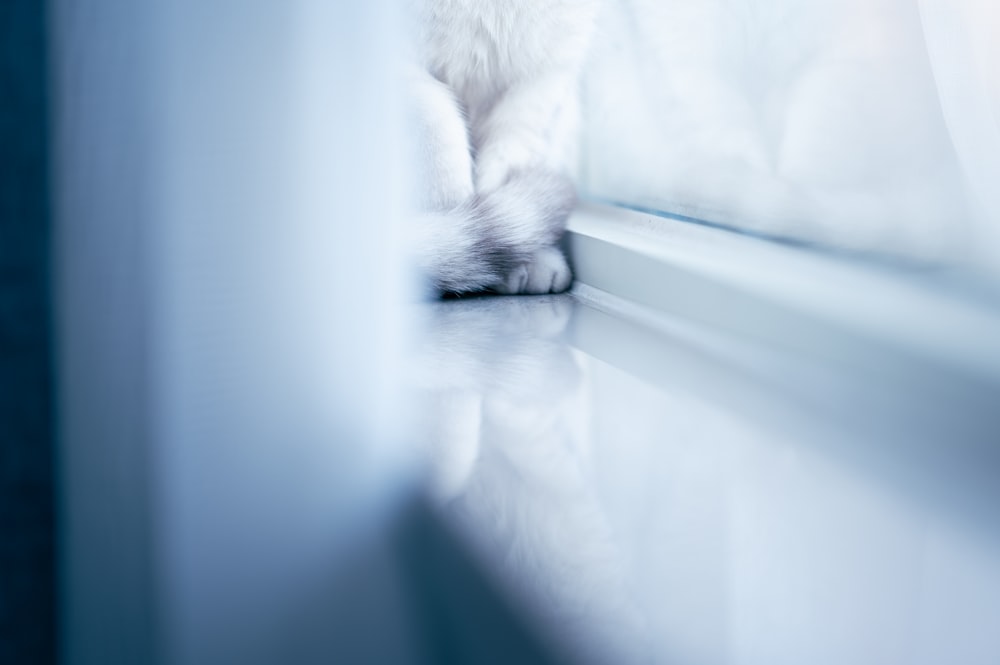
[495, 115]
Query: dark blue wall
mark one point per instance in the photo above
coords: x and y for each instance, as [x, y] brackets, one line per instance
[27, 579]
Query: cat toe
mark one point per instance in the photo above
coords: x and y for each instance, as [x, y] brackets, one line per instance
[560, 276]
[547, 272]
[515, 283]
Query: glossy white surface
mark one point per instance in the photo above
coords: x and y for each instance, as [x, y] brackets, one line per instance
[652, 498]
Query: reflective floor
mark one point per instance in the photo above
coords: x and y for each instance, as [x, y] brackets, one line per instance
[667, 495]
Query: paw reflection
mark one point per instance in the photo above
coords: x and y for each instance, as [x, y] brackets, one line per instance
[504, 430]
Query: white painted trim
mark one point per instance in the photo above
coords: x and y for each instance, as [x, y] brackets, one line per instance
[783, 296]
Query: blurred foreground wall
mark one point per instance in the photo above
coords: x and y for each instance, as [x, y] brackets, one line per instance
[226, 280]
[27, 574]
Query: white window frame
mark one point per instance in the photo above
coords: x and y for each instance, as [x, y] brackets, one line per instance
[837, 309]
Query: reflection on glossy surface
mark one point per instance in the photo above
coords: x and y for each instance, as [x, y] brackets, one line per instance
[651, 500]
[510, 461]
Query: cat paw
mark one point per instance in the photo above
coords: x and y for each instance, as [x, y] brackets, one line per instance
[546, 272]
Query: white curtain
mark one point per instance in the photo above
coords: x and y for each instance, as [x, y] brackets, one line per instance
[963, 40]
[869, 125]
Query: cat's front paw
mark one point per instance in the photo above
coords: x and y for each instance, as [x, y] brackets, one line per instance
[546, 272]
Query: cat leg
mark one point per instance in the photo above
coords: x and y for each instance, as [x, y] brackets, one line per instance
[442, 238]
[466, 241]
[542, 269]
[519, 133]
[441, 154]
[525, 129]
[477, 245]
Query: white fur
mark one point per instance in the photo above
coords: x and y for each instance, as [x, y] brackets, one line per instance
[494, 117]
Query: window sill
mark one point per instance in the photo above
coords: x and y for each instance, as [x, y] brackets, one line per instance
[835, 310]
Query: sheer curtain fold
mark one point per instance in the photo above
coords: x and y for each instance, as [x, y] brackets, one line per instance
[963, 41]
[869, 125]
